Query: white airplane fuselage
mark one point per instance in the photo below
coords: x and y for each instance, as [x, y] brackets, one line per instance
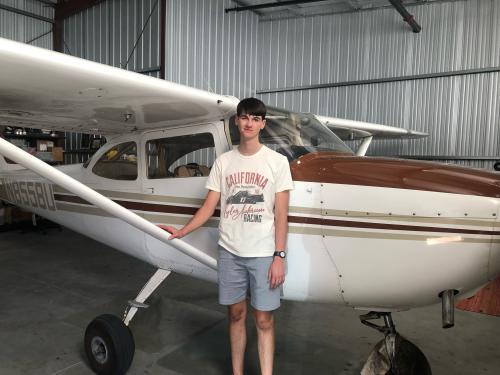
[365, 242]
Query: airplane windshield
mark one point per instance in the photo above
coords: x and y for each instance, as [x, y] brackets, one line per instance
[294, 134]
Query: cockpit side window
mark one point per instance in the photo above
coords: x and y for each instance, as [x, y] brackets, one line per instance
[118, 163]
[185, 156]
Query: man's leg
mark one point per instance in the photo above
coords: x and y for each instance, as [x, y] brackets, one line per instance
[237, 314]
[264, 321]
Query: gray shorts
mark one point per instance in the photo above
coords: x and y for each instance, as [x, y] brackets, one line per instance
[237, 274]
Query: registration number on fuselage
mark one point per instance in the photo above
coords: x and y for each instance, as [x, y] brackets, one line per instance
[28, 193]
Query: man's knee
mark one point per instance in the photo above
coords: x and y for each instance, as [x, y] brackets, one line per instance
[237, 312]
[264, 320]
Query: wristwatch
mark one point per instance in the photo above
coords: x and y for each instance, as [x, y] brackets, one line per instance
[280, 254]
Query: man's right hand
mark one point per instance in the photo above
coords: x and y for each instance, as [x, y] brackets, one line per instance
[174, 232]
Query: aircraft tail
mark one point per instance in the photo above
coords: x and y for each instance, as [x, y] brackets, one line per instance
[485, 301]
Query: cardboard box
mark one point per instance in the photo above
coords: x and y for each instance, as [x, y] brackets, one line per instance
[42, 145]
[57, 154]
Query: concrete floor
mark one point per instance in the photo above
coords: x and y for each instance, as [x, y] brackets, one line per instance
[52, 285]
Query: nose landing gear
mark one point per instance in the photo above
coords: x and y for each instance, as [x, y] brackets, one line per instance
[393, 355]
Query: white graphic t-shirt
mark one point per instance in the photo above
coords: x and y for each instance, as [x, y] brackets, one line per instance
[248, 185]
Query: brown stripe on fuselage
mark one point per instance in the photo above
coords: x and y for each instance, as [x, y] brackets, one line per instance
[70, 199]
[138, 206]
[183, 210]
[372, 225]
[334, 168]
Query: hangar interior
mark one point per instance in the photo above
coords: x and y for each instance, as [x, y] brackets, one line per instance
[341, 58]
[352, 59]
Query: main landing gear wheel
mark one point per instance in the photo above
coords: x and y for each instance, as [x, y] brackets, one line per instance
[393, 355]
[109, 345]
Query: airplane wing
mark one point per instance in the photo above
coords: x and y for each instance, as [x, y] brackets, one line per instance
[49, 90]
[350, 129]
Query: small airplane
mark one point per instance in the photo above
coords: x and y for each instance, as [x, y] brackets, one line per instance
[375, 234]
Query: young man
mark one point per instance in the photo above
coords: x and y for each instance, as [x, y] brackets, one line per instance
[252, 183]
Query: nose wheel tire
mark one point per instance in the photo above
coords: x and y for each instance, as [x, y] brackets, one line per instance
[395, 355]
[109, 345]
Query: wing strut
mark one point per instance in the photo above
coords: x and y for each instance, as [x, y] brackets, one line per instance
[50, 173]
[363, 147]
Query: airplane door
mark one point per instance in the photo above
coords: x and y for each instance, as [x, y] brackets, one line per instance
[115, 172]
[177, 165]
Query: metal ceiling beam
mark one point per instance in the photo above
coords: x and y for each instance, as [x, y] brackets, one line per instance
[25, 13]
[242, 3]
[69, 8]
[354, 4]
[58, 32]
[294, 9]
[163, 37]
[271, 5]
[269, 18]
[360, 82]
[63, 10]
[47, 2]
[407, 17]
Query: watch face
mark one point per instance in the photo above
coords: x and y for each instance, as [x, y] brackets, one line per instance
[282, 254]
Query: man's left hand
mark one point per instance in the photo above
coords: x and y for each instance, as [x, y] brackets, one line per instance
[276, 274]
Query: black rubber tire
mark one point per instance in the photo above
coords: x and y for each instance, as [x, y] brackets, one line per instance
[496, 166]
[116, 341]
[409, 359]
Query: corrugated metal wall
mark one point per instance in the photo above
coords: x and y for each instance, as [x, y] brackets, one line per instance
[211, 50]
[461, 113]
[107, 33]
[24, 29]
